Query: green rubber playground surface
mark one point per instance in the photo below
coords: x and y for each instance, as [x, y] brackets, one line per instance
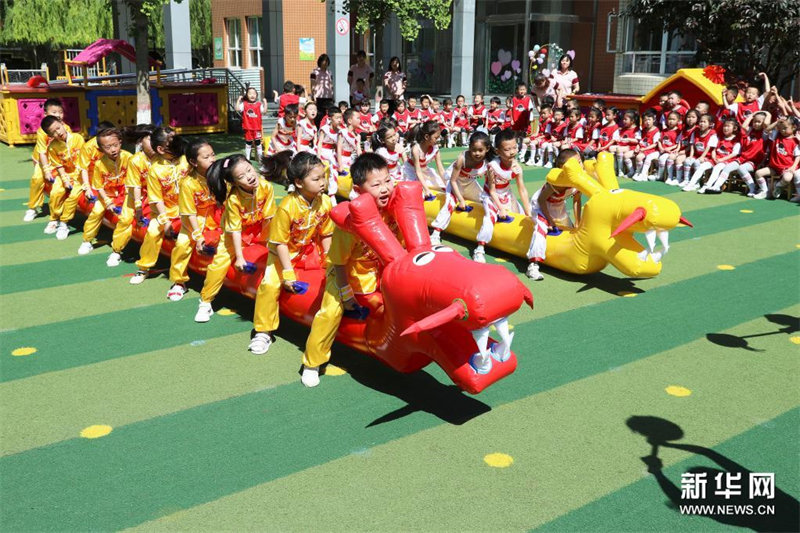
[118, 411]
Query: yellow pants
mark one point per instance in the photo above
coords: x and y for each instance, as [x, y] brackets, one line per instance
[217, 270]
[63, 203]
[123, 229]
[151, 246]
[182, 253]
[267, 317]
[95, 220]
[36, 199]
[325, 324]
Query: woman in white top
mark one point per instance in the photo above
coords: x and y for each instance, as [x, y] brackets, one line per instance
[322, 86]
[566, 79]
[394, 84]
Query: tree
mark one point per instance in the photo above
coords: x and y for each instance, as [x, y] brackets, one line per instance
[200, 19]
[743, 36]
[376, 13]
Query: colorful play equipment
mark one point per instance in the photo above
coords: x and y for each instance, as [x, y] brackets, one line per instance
[604, 235]
[694, 84]
[438, 305]
[199, 106]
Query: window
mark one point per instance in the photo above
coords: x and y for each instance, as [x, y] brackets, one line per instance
[651, 52]
[234, 42]
[254, 35]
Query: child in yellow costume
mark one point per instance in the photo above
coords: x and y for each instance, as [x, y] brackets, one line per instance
[163, 180]
[62, 156]
[249, 207]
[41, 166]
[352, 269]
[90, 154]
[135, 189]
[197, 207]
[108, 180]
[301, 225]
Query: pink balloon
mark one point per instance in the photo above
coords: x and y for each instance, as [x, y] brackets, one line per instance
[495, 67]
[540, 60]
[571, 54]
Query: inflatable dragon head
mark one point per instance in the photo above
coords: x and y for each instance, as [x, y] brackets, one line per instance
[610, 218]
[438, 305]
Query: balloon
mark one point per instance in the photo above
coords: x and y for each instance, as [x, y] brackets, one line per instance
[571, 54]
[540, 60]
[515, 65]
[531, 55]
[504, 56]
[546, 72]
[495, 67]
[506, 75]
[536, 48]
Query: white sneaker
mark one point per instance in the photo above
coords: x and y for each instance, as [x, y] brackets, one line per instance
[114, 259]
[138, 278]
[637, 177]
[310, 376]
[682, 184]
[531, 162]
[652, 177]
[30, 214]
[760, 195]
[62, 232]
[436, 238]
[176, 292]
[548, 165]
[479, 255]
[533, 272]
[85, 248]
[204, 312]
[702, 190]
[260, 343]
[51, 227]
[690, 188]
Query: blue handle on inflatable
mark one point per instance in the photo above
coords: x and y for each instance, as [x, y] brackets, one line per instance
[506, 219]
[555, 231]
[300, 287]
[249, 267]
[117, 209]
[430, 197]
[144, 222]
[343, 173]
[359, 313]
[466, 209]
[90, 198]
[209, 250]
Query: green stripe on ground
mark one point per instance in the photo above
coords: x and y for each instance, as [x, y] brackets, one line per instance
[570, 445]
[218, 449]
[34, 231]
[644, 504]
[16, 184]
[33, 252]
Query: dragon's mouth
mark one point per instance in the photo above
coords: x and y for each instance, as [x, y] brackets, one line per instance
[650, 250]
[481, 361]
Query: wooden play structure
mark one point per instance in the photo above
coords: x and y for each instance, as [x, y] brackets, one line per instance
[188, 101]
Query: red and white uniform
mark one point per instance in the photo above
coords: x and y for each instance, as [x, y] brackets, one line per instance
[462, 117]
[377, 118]
[427, 164]
[448, 118]
[608, 133]
[425, 114]
[521, 112]
[477, 115]
[726, 147]
[364, 123]
[286, 99]
[669, 138]
[413, 117]
[251, 119]
[629, 137]
[350, 141]
[503, 178]
[284, 138]
[392, 161]
[326, 149]
[558, 132]
[782, 152]
[495, 118]
[543, 132]
[591, 133]
[742, 110]
[508, 122]
[402, 120]
[701, 141]
[469, 187]
[685, 138]
[651, 136]
[557, 207]
[754, 148]
[306, 135]
[574, 133]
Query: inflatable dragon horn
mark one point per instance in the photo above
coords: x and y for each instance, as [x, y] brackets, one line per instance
[438, 305]
[609, 220]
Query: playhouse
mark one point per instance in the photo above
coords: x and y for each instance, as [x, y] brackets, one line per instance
[197, 106]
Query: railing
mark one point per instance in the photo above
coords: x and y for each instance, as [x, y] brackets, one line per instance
[98, 69]
[21, 75]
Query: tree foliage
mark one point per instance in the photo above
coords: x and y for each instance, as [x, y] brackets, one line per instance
[376, 13]
[743, 36]
[57, 23]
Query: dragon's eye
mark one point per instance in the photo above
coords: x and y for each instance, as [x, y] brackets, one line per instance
[616, 191]
[423, 258]
[440, 248]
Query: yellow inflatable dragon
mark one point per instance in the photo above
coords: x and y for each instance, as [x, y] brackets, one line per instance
[605, 233]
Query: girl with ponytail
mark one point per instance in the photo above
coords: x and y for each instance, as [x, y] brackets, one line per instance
[424, 151]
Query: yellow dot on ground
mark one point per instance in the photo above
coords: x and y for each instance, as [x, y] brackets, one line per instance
[797, 245]
[677, 390]
[726, 267]
[333, 370]
[225, 312]
[498, 460]
[794, 340]
[501, 260]
[96, 431]
[626, 294]
[745, 210]
[2, 190]
[25, 350]
[24, 203]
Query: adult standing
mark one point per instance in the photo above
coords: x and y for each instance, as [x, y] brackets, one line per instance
[394, 84]
[566, 79]
[322, 87]
[360, 71]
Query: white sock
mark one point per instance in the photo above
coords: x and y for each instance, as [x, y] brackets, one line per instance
[259, 151]
[762, 184]
[247, 150]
